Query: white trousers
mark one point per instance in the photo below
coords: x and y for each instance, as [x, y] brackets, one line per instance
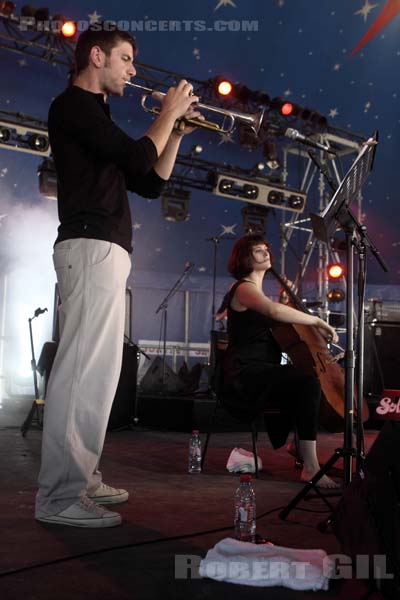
[92, 278]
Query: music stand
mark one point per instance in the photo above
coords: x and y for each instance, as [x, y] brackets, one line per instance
[338, 215]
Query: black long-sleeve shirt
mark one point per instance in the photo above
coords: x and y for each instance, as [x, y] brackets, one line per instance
[96, 163]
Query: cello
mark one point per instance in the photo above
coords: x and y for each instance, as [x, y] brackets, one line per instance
[308, 351]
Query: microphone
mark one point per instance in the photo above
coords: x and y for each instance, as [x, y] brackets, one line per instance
[40, 311]
[293, 134]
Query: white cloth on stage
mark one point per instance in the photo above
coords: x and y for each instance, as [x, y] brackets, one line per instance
[242, 461]
[265, 565]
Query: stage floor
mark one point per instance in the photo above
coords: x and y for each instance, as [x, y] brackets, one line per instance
[169, 513]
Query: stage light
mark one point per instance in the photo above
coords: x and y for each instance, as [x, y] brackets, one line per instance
[335, 270]
[250, 192]
[63, 26]
[296, 202]
[68, 29]
[260, 166]
[247, 137]
[255, 219]
[336, 319]
[225, 186]
[197, 149]
[175, 204]
[270, 152]
[275, 197]
[7, 8]
[47, 179]
[38, 142]
[38, 14]
[338, 244]
[336, 295]
[28, 11]
[5, 135]
[287, 109]
[224, 87]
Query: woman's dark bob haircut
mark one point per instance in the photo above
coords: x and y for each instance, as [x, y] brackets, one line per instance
[240, 262]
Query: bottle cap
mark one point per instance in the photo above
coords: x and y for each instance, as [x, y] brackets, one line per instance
[246, 478]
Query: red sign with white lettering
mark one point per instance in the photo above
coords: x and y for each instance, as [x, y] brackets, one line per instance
[389, 405]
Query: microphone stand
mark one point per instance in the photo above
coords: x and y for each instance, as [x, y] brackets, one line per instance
[164, 307]
[215, 240]
[36, 410]
[138, 352]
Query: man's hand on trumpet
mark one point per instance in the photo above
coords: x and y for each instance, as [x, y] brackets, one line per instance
[180, 102]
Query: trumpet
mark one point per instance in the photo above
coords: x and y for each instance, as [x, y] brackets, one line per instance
[253, 120]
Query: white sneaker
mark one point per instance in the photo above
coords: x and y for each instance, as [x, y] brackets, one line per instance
[105, 494]
[84, 513]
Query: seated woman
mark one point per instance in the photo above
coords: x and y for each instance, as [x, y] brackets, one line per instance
[253, 375]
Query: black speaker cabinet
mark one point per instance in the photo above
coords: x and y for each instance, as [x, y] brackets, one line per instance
[381, 357]
[367, 518]
[123, 408]
[152, 380]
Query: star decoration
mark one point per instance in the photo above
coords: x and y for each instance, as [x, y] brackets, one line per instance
[336, 67]
[3, 172]
[389, 11]
[280, 3]
[196, 53]
[137, 226]
[94, 17]
[366, 9]
[22, 62]
[333, 113]
[202, 269]
[228, 229]
[287, 93]
[157, 250]
[367, 106]
[225, 138]
[225, 3]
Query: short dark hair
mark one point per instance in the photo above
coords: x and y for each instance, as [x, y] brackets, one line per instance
[240, 260]
[105, 35]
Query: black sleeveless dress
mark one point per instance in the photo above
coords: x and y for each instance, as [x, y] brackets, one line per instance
[254, 378]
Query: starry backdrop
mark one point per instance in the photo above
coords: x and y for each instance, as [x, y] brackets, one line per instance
[341, 57]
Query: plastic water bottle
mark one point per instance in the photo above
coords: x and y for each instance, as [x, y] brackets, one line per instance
[195, 452]
[245, 511]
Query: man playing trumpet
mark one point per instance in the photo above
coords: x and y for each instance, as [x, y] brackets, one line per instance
[96, 163]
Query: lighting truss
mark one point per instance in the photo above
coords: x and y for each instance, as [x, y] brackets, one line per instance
[22, 133]
[45, 45]
[53, 48]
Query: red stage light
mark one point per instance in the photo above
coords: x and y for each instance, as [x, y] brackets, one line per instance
[287, 109]
[335, 271]
[336, 295]
[224, 88]
[68, 29]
